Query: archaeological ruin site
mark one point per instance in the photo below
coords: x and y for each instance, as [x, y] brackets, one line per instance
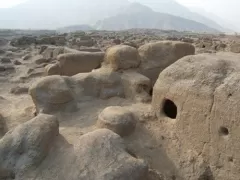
[127, 105]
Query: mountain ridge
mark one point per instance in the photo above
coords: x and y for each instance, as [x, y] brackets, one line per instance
[174, 8]
[43, 14]
[144, 17]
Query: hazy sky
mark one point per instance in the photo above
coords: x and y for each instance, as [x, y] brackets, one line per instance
[227, 9]
[218, 6]
[9, 3]
[199, 3]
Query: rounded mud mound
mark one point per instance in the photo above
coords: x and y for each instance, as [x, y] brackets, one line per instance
[117, 119]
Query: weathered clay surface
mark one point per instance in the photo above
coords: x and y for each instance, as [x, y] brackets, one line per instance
[136, 86]
[52, 69]
[155, 57]
[50, 92]
[55, 92]
[189, 132]
[19, 90]
[101, 83]
[3, 127]
[118, 119]
[26, 146]
[73, 63]
[122, 57]
[194, 100]
[235, 48]
[38, 144]
[51, 52]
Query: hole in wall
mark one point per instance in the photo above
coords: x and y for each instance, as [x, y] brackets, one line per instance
[223, 131]
[170, 109]
[151, 92]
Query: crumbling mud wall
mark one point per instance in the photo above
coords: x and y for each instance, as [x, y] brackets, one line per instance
[196, 101]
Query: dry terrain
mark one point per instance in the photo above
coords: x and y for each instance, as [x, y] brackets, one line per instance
[127, 105]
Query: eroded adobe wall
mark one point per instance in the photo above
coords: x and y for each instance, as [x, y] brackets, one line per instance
[196, 101]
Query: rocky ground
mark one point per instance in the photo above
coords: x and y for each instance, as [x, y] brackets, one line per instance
[92, 105]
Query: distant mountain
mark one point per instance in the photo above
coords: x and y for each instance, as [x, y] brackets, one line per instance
[67, 29]
[228, 26]
[51, 14]
[174, 8]
[137, 15]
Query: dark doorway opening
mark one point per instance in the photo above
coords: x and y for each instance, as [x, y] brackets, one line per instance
[170, 109]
